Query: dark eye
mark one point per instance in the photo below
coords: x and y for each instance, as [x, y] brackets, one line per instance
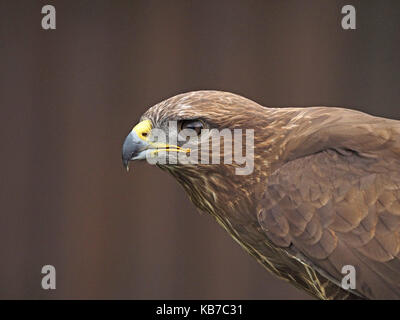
[196, 125]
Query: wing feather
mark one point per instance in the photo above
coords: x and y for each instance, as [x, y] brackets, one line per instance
[337, 208]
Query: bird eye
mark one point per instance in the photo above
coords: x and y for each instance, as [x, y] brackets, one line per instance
[195, 125]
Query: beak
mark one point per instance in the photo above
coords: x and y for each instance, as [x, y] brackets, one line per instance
[133, 148]
[137, 145]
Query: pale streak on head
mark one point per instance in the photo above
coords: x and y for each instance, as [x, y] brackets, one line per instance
[183, 109]
[185, 106]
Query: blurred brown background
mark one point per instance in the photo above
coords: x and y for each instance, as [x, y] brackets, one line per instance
[69, 96]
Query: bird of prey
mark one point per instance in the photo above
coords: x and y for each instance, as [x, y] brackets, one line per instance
[324, 192]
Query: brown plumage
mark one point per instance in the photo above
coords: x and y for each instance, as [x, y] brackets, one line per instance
[325, 191]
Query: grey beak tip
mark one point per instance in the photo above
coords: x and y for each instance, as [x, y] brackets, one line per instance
[130, 148]
[125, 163]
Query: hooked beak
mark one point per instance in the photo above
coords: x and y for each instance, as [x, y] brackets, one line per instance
[137, 145]
[133, 149]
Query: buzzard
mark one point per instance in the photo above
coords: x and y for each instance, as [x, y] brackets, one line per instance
[323, 195]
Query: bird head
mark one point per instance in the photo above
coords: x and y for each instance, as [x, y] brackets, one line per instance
[206, 139]
[194, 128]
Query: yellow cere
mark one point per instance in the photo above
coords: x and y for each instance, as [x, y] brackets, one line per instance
[143, 129]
